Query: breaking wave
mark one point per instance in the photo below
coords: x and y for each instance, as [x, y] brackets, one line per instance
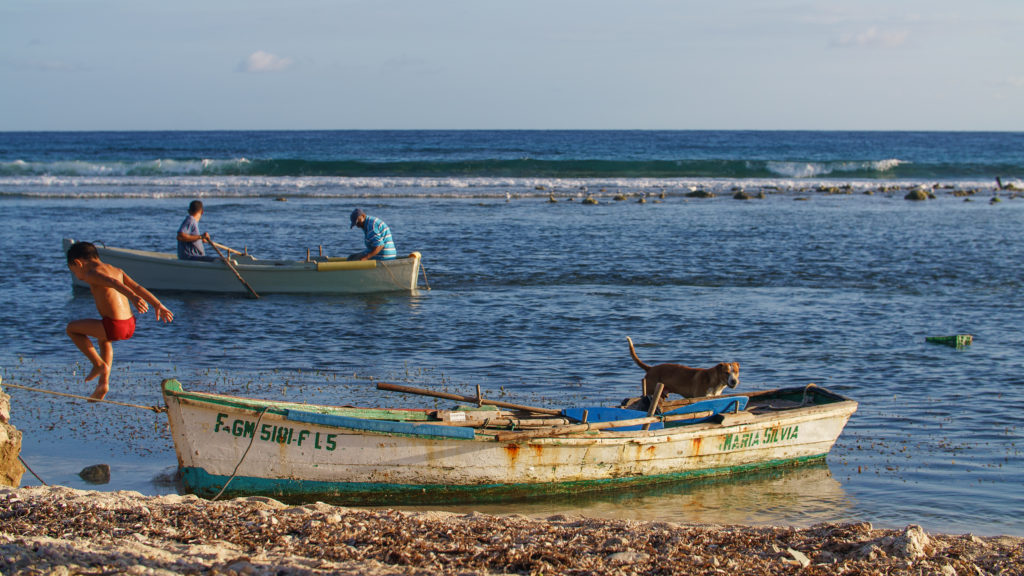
[892, 168]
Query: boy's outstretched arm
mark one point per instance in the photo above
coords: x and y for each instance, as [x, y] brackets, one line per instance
[136, 294]
[144, 296]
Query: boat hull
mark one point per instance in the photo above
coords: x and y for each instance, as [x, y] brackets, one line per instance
[162, 271]
[302, 452]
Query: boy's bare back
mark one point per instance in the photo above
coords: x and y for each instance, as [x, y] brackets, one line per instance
[109, 302]
[114, 291]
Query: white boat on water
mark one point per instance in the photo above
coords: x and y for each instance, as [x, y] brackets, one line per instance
[164, 271]
[299, 452]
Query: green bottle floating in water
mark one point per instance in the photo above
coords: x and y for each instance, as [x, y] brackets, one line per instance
[959, 340]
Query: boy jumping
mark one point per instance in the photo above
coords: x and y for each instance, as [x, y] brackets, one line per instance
[112, 290]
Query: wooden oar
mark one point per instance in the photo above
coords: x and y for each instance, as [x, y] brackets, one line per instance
[225, 248]
[572, 429]
[515, 436]
[233, 269]
[467, 399]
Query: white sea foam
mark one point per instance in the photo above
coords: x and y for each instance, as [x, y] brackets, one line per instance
[803, 170]
[167, 185]
[156, 167]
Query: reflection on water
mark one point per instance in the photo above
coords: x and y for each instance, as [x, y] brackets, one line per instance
[797, 496]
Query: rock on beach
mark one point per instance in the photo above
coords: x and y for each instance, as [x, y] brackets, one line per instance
[57, 530]
[11, 469]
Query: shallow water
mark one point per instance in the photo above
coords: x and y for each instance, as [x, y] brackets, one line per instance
[533, 300]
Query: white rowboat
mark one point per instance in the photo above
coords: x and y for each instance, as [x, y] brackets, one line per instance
[164, 271]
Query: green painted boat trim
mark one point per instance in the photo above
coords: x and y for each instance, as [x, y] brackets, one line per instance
[201, 483]
[173, 387]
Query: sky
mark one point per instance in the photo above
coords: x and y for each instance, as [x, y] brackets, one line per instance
[527, 64]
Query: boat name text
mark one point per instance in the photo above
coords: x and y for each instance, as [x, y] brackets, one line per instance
[758, 437]
[242, 428]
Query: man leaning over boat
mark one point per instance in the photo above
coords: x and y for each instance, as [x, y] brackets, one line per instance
[377, 236]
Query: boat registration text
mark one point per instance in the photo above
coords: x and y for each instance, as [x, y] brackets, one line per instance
[287, 435]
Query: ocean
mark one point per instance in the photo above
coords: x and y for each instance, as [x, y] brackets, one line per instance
[795, 254]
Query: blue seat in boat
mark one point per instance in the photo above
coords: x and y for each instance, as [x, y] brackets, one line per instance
[604, 414]
[714, 405]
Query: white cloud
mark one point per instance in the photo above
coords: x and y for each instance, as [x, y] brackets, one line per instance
[873, 37]
[261, 61]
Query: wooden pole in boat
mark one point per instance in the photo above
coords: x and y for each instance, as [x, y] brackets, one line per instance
[515, 436]
[466, 399]
[654, 403]
[572, 429]
[235, 270]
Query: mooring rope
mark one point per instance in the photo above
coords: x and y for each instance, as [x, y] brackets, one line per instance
[244, 454]
[394, 279]
[424, 270]
[387, 268]
[157, 409]
[25, 464]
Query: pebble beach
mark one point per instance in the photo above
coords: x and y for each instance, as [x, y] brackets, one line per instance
[57, 530]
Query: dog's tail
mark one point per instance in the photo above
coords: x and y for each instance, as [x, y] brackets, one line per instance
[632, 352]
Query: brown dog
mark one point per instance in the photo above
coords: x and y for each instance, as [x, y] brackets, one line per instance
[686, 381]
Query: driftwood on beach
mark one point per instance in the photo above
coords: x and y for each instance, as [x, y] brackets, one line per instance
[51, 530]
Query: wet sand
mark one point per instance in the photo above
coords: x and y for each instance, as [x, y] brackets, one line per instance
[57, 530]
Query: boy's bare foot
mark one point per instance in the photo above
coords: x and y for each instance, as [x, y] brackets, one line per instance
[98, 370]
[100, 391]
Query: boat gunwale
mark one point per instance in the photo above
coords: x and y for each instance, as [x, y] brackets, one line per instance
[170, 258]
[841, 407]
[172, 387]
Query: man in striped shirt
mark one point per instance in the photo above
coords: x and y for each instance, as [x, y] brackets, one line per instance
[379, 245]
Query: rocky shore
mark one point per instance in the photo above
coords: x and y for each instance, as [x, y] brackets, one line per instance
[11, 469]
[56, 530]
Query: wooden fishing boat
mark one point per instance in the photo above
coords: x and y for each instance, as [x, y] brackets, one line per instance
[164, 271]
[299, 452]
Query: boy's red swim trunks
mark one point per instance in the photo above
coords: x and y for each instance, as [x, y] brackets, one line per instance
[119, 329]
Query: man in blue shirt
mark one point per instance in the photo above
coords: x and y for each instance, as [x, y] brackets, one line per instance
[190, 240]
[379, 245]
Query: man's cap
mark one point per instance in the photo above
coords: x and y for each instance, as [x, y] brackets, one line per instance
[355, 216]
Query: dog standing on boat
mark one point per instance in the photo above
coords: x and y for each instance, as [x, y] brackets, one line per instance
[685, 381]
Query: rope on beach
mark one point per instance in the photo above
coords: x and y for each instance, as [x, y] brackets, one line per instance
[244, 454]
[157, 409]
[25, 464]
